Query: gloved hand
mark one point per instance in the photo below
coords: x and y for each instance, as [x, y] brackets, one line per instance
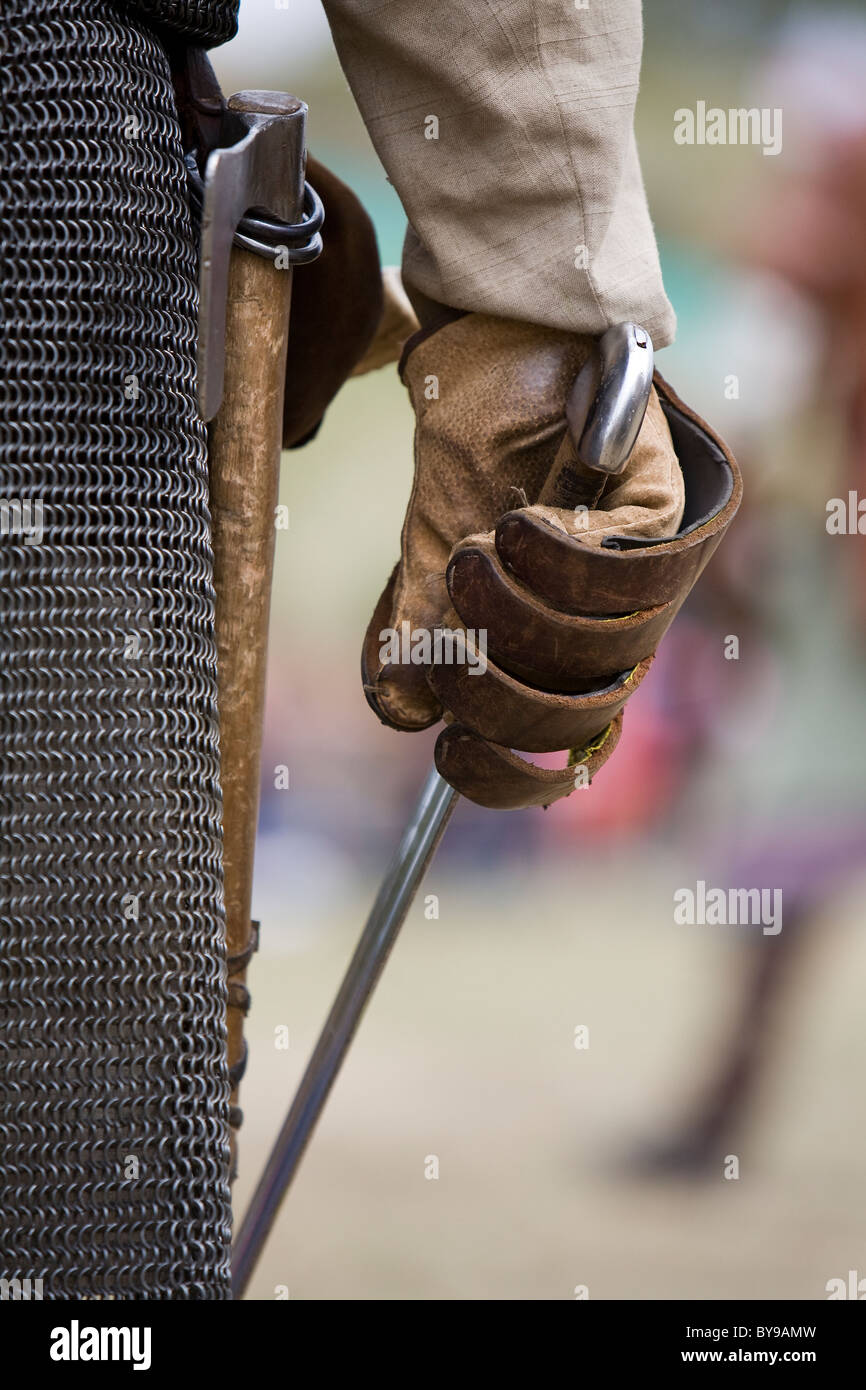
[560, 619]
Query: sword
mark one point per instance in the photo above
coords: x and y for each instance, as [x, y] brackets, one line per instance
[605, 410]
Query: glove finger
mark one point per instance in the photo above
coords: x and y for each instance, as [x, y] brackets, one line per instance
[564, 571]
[496, 706]
[630, 573]
[539, 644]
[494, 777]
[647, 499]
[397, 691]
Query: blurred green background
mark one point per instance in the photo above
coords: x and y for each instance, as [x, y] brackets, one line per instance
[561, 1167]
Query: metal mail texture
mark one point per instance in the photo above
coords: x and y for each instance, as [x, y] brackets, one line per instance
[205, 22]
[113, 1082]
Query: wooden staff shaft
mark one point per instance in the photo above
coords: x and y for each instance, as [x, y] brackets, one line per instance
[244, 459]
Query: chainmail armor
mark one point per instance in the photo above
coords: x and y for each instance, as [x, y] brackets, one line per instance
[113, 1080]
[203, 22]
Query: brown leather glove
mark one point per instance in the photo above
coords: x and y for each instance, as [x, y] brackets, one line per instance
[562, 608]
[337, 306]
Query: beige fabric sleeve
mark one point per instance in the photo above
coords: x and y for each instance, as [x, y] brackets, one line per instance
[506, 127]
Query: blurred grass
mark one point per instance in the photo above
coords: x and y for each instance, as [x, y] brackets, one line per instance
[467, 1053]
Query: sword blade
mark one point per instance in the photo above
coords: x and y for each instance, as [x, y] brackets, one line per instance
[402, 880]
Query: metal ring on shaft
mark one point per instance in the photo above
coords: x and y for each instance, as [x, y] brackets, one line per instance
[265, 235]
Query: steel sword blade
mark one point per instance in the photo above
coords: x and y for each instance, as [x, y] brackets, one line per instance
[402, 880]
[605, 411]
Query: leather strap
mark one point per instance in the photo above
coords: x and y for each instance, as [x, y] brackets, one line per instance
[541, 644]
[515, 715]
[238, 1001]
[495, 777]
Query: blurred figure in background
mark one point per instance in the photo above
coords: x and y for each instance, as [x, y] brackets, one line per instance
[808, 227]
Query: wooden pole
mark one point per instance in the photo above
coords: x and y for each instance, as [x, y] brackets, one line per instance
[244, 461]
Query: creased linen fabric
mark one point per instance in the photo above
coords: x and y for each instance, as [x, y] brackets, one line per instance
[506, 127]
